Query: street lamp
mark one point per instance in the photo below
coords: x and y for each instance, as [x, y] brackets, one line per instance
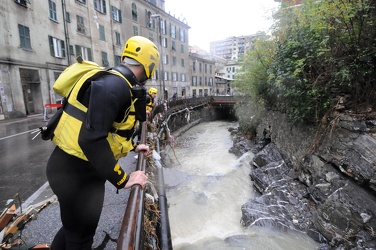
[161, 78]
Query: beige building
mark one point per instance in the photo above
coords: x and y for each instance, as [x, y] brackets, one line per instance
[202, 71]
[39, 39]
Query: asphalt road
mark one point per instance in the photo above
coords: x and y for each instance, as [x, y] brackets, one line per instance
[23, 162]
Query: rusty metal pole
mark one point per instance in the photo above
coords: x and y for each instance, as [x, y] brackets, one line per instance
[132, 224]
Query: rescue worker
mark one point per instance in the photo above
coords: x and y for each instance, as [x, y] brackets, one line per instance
[88, 147]
[152, 93]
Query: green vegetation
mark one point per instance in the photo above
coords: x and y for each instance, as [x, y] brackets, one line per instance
[319, 54]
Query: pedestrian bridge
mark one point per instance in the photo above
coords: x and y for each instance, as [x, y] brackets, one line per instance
[212, 101]
[223, 101]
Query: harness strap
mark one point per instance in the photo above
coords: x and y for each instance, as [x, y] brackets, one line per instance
[80, 115]
[125, 133]
[75, 112]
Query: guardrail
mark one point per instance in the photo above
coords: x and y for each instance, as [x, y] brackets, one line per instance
[48, 106]
[131, 230]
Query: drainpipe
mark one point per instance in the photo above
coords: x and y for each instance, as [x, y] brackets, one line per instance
[164, 232]
[66, 33]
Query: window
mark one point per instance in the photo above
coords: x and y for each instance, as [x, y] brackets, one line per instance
[25, 41]
[200, 81]
[165, 76]
[210, 81]
[164, 42]
[155, 76]
[182, 35]
[183, 77]
[165, 59]
[194, 80]
[210, 69]
[117, 60]
[148, 20]
[104, 59]
[152, 22]
[194, 66]
[117, 38]
[135, 30]
[174, 60]
[181, 48]
[102, 35]
[100, 6]
[52, 8]
[173, 30]
[80, 24]
[71, 50]
[163, 27]
[116, 14]
[57, 47]
[206, 68]
[173, 46]
[67, 17]
[81, 1]
[174, 76]
[134, 12]
[21, 2]
[182, 63]
[84, 52]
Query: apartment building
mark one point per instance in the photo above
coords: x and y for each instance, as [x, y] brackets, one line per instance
[39, 39]
[232, 48]
[203, 70]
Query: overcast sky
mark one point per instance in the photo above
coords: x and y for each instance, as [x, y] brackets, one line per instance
[212, 20]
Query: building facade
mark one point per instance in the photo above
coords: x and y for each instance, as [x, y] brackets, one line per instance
[202, 71]
[39, 39]
[232, 48]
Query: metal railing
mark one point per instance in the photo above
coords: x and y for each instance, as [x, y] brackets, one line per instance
[131, 231]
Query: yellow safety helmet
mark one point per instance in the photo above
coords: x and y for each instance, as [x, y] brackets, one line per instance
[153, 91]
[144, 51]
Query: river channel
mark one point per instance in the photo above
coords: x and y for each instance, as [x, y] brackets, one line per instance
[206, 194]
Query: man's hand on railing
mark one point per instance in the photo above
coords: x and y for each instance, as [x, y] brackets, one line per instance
[137, 178]
[142, 147]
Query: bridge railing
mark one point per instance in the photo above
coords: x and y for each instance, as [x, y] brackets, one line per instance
[131, 231]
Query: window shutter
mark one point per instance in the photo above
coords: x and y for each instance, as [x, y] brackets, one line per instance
[89, 54]
[63, 48]
[50, 40]
[78, 50]
[104, 7]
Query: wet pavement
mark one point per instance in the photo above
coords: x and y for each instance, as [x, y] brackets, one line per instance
[43, 228]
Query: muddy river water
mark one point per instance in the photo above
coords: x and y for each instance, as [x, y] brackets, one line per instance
[205, 204]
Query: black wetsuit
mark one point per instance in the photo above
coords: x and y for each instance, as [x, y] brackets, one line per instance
[79, 184]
